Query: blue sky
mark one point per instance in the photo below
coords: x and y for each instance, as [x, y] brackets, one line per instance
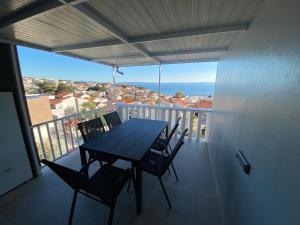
[38, 63]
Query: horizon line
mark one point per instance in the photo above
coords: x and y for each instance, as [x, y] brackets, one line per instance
[191, 82]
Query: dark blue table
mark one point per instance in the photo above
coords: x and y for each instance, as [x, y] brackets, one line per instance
[129, 141]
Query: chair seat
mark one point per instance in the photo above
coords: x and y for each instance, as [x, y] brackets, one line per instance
[159, 145]
[150, 159]
[108, 182]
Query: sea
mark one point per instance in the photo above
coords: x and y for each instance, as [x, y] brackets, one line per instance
[188, 89]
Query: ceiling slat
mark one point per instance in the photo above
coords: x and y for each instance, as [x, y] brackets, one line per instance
[32, 10]
[97, 17]
[158, 37]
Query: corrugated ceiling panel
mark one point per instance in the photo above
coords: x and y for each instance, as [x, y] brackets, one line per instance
[66, 26]
[143, 17]
[9, 6]
[129, 61]
[195, 42]
[107, 51]
[62, 26]
[199, 56]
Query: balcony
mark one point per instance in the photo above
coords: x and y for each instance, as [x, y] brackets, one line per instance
[255, 114]
[57, 138]
[193, 197]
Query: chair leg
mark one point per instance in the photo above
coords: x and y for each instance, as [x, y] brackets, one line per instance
[173, 168]
[72, 208]
[111, 214]
[168, 167]
[165, 192]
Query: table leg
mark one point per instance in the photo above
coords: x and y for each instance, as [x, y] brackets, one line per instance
[139, 189]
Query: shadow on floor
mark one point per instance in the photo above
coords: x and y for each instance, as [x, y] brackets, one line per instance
[46, 199]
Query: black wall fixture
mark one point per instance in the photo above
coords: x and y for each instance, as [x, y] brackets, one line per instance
[243, 162]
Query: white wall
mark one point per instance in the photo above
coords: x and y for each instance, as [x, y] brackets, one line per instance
[14, 164]
[257, 110]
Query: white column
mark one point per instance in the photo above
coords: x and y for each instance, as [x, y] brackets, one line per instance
[114, 97]
[159, 77]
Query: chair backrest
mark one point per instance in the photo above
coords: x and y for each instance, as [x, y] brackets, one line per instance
[173, 130]
[112, 119]
[73, 178]
[90, 129]
[175, 150]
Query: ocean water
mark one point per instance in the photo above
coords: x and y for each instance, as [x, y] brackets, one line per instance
[189, 89]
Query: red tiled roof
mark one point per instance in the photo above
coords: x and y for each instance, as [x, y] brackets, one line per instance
[89, 98]
[55, 101]
[79, 94]
[62, 94]
[205, 104]
[127, 100]
[180, 102]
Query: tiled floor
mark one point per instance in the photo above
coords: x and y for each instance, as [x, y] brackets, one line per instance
[46, 200]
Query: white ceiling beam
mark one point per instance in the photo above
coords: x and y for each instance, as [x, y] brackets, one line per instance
[25, 44]
[119, 57]
[190, 33]
[28, 11]
[88, 45]
[34, 9]
[192, 51]
[110, 27]
[29, 45]
[191, 61]
[173, 62]
[158, 37]
[83, 58]
[169, 53]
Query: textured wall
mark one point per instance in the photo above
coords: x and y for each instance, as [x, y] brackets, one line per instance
[39, 109]
[257, 110]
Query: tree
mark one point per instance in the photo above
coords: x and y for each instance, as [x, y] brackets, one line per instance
[46, 87]
[93, 95]
[32, 90]
[63, 87]
[96, 88]
[69, 110]
[89, 105]
[179, 94]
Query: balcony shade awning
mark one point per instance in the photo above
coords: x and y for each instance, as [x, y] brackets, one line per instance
[127, 33]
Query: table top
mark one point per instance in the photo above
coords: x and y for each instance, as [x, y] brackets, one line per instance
[130, 140]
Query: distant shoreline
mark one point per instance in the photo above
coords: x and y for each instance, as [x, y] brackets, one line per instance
[188, 89]
[165, 82]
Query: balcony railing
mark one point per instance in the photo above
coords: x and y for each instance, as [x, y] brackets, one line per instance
[58, 137]
[195, 119]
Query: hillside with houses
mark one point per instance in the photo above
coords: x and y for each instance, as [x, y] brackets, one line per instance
[52, 98]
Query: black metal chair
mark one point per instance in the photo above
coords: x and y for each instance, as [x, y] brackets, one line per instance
[93, 129]
[162, 144]
[104, 186]
[157, 164]
[112, 119]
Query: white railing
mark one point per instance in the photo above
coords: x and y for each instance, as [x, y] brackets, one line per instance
[195, 119]
[58, 137]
